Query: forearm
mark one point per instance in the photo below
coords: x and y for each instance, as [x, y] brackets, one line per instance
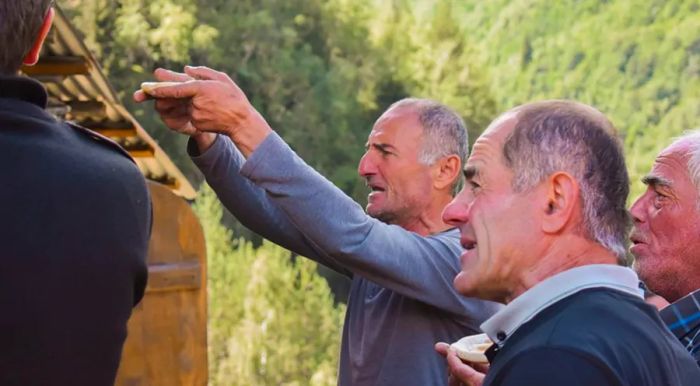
[220, 164]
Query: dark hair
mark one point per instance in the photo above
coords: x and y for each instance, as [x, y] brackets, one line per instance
[20, 21]
[556, 135]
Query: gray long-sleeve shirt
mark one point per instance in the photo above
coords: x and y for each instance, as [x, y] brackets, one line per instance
[401, 300]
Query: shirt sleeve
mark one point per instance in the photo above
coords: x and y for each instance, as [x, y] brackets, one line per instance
[421, 268]
[250, 204]
[555, 367]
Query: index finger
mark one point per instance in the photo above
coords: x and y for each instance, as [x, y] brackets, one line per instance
[164, 75]
[178, 91]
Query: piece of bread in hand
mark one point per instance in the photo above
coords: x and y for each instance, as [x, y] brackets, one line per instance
[148, 87]
[472, 348]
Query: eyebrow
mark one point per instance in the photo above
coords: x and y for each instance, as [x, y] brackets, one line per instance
[380, 146]
[470, 172]
[653, 181]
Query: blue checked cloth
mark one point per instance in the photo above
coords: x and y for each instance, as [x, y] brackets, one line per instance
[683, 319]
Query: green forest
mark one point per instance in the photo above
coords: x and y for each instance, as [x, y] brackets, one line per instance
[321, 72]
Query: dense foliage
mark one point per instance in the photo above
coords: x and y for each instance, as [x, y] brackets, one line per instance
[272, 319]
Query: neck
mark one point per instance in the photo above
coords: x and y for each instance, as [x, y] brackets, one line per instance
[568, 252]
[429, 221]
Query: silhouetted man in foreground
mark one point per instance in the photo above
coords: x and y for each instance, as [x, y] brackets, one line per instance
[75, 219]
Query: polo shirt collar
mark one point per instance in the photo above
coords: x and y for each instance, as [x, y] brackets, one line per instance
[554, 289]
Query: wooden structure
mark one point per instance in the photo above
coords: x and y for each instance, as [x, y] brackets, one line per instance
[167, 338]
[167, 342]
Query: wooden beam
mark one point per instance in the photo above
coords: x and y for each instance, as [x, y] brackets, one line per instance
[46, 79]
[115, 133]
[118, 129]
[59, 65]
[91, 107]
[142, 153]
[174, 276]
[169, 181]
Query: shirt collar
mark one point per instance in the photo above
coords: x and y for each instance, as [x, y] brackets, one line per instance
[23, 88]
[683, 316]
[555, 288]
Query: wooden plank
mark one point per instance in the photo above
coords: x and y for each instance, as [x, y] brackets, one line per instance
[167, 340]
[174, 276]
[142, 153]
[115, 132]
[90, 107]
[59, 65]
[113, 129]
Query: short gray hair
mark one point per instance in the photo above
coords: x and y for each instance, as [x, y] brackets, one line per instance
[444, 131]
[693, 165]
[559, 135]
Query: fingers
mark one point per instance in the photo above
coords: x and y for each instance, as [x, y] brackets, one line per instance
[205, 73]
[465, 373]
[442, 348]
[174, 108]
[140, 96]
[184, 90]
[164, 75]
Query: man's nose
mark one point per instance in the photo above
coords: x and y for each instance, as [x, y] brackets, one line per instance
[639, 208]
[366, 167]
[456, 212]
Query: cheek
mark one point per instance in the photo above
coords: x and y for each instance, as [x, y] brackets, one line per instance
[669, 229]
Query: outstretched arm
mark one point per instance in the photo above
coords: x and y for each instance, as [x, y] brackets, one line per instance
[250, 204]
[419, 267]
[220, 162]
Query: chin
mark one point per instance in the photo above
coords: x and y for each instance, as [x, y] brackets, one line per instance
[465, 285]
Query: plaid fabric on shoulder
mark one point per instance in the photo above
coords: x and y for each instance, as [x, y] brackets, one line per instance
[683, 319]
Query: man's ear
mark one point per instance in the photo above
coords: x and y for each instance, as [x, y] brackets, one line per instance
[446, 170]
[562, 202]
[33, 55]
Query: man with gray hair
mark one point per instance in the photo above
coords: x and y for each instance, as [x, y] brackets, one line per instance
[400, 255]
[666, 237]
[543, 221]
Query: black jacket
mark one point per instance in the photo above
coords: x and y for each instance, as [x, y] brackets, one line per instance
[75, 219]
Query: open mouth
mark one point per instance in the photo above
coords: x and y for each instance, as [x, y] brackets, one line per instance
[468, 244]
[636, 239]
[374, 187]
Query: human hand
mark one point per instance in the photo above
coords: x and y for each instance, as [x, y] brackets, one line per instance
[216, 104]
[460, 373]
[175, 113]
[657, 301]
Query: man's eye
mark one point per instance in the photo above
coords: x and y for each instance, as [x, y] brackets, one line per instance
[659, 199]
[473, 185]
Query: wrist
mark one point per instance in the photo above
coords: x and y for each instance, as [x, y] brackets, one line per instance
[204, 140]
[249, 136]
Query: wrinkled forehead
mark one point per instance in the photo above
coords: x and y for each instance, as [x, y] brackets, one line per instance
[679, 149]
[671, 167]
[398, 123]
[489, 145]
[674, 157]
